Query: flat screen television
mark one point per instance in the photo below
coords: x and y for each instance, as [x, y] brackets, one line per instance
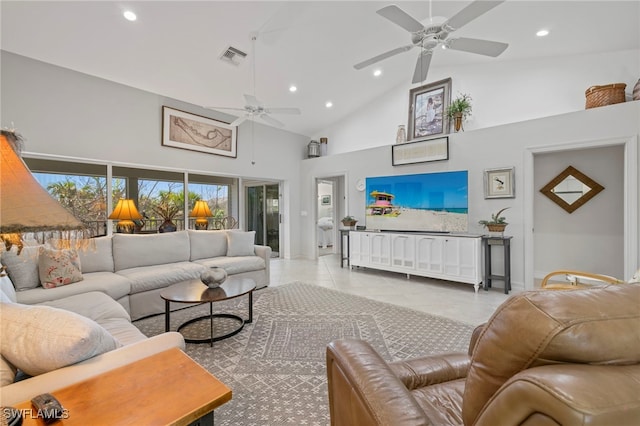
[427, 202]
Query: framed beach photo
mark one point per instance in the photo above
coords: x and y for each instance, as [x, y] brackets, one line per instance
[197, 133]
[427, 107]
[499, 183]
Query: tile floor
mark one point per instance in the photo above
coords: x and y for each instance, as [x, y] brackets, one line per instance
[448, 299]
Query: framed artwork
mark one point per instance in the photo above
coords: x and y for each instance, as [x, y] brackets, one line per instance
[427, 106]
[420, 152]
[325, 200]
[197, 133]
[499, 183]
[571, 189]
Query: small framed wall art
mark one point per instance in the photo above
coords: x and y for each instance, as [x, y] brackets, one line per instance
[325, 200]
[197, 133]
[499, 183]
[420, 152]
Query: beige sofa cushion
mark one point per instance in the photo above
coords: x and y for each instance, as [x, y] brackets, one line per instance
[240, 243]
[133, 251]
[235, 265]
[98, 258]
[109, 283]
[206, 244]
[7, 372]
[38, 339]
[160, 276]
[23, 268]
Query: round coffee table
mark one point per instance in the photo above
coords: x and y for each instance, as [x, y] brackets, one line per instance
[195, 291]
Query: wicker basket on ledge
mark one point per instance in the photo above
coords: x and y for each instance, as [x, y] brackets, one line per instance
[609, 94]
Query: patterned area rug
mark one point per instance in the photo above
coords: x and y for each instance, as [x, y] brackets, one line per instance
[276, 365]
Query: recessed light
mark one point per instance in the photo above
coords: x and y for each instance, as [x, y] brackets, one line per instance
[329, 104]
[292, 88]
[377, 73]
[542, 33]
[129, 15]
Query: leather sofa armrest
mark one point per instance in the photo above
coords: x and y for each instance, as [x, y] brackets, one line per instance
[28, 388]
[363, 390]
[567, 394]
[431, 370]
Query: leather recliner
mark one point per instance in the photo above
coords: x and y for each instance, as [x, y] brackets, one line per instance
[568, 357]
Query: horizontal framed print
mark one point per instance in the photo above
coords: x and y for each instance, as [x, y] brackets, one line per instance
[420, 152]
[499, 183]
[197, 133]
[325, 200]
[427, 107]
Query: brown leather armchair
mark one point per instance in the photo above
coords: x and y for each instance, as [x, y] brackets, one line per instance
[567, 357]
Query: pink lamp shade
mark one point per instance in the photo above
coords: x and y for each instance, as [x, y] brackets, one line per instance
[126, 212]
[201, 212]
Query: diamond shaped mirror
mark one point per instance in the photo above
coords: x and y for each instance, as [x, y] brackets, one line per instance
[571, 189]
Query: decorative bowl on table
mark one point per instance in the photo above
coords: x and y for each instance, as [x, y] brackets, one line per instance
[213, 277]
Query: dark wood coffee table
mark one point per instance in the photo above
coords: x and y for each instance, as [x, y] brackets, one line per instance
[195, 291]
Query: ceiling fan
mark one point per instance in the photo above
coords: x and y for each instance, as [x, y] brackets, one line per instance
[253, 108]
[433, 35]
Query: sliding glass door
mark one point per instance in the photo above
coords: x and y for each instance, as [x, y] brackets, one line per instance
[263, 215]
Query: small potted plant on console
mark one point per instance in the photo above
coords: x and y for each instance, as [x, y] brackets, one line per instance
[349, 221]
[497, 222]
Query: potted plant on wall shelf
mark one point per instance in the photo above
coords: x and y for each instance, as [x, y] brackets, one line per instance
[459, 110]
[497, 223]
[349, 221]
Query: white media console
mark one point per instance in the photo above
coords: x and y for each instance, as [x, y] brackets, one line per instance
[453, 257]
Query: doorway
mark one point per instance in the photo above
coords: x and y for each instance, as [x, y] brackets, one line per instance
[263, 215]
[329, 206]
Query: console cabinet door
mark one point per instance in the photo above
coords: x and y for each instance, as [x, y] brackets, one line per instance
[429, 254]
[359, 248]
[461, 259]
[380, 249]
[403, 251]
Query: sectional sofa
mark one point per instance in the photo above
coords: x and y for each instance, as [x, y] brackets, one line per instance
[63, 334]
[134, 269]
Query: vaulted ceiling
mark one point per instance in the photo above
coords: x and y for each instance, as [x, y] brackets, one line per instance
[173, 48]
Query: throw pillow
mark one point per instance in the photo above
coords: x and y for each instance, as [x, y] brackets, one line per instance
[240, 243]
[23, 268]
[37, 339]
[58, 267]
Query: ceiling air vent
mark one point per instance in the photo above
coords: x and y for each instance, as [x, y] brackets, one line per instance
[233, 55]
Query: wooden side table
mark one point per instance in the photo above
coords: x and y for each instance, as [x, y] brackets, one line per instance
[487, 243]
[168, 388]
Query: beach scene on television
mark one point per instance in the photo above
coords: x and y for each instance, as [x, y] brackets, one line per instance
[428, 202]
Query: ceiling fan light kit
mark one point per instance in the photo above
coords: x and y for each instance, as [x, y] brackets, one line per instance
[427, 38]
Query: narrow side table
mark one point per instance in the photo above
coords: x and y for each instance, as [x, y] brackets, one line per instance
[344, 235]
[487, 243]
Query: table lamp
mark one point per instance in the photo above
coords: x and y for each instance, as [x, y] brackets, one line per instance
[201, 212]
[27, 210]
[125, 212]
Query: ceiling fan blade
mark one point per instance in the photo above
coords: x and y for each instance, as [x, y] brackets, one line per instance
[252, 101]
[238, 120]
[283, 111]
[383, 56]
[470, 13]
[422, 66]
[271, 120]
[474, 45]
[229, 108]
[401, 18]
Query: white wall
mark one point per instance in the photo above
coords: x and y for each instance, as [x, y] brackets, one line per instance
[476, 150]
[69, 114]
[502, 92]
[556, 231]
